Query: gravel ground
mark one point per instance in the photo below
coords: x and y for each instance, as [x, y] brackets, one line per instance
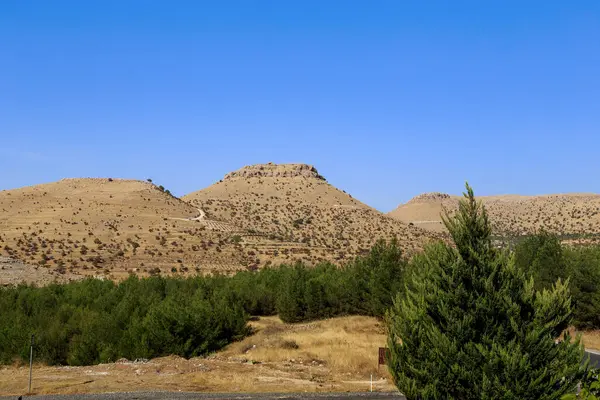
[219, 396]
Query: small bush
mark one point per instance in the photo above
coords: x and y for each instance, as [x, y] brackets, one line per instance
[289, 344]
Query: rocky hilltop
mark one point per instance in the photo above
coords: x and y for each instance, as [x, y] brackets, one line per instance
[428, 197]
[291, 212]
[271, 170]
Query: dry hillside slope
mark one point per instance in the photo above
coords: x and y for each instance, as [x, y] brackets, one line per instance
[289, 211]
[568, 215]
[259, 215]
[107, 227]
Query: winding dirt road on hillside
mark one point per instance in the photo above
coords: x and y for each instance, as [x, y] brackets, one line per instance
[201, 216]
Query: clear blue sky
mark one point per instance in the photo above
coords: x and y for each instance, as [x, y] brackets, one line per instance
[387, 99]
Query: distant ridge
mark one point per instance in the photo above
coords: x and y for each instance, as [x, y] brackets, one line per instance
[572, 215]
[258, 215]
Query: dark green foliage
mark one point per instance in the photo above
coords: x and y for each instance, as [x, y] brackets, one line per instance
[380, 275]
[590, 387]
[544, 258]
[541, 257]
[472, 326]
[98, 321]
[365, 286]
[583, 265]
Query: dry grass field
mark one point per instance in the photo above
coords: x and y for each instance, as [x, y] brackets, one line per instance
[569, 215]
[590, 339]
[332, 355]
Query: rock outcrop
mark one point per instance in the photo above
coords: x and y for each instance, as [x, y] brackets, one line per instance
[276, 170]
[433, 196]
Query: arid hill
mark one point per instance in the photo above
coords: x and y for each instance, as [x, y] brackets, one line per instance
[259, 215]
[289, 211]
[108, 227]
[572, 216]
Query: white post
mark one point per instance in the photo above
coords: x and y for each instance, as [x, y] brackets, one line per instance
[30, 363]
[371, 382]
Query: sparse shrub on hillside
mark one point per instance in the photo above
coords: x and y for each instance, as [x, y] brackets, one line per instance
[472, 326]
[289, 344]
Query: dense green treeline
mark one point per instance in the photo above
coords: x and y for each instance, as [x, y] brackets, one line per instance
[96, 321]
[545, 259]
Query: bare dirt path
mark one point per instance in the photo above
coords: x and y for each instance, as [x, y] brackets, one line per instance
[200, 217]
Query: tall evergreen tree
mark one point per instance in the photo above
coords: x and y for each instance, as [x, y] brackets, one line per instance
[472, 326]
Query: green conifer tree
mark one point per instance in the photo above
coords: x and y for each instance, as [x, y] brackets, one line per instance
[472, 326]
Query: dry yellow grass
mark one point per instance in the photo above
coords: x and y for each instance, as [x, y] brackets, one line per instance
[576, 214]
[590, 339]
[332, 355]
[346, 345]
[338, 354]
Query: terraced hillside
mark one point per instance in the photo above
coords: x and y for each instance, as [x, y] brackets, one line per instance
[572, 216]
[254, 217]
[289, 211]
[109, 227]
